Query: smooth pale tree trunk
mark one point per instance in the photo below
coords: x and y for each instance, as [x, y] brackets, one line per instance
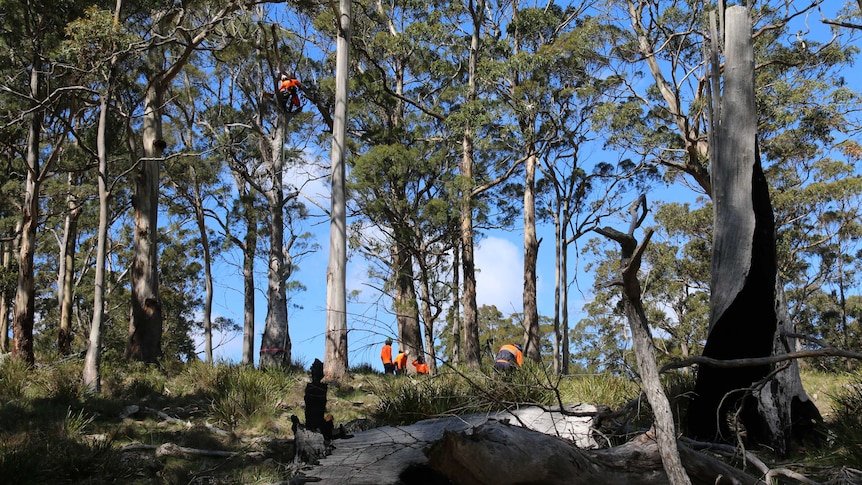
[472, 356]
[275, 345]
[145, 323]
[200, 220]
[747, 306]
[561, 288]
[91, 379]
[66, 274]
[335, 354]
[532, 336]
[25, 308]
[630, 260]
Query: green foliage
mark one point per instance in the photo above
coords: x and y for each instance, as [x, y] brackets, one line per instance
[132, 380]
[14, 380]
[605, 389]
[241, 395]
[60, 382]
[75, 423]
[847, 423]
[406, 400]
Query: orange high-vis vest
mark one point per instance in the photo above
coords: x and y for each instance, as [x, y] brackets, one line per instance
[504, 354]
[421, 367]
[401, 361]
[288, 83]
[386, 354]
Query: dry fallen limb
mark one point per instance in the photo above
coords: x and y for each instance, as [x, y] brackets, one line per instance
[769, 474]
[216, 430]
[166, 417]
[137, 447]
[499, 453]
[171, 449]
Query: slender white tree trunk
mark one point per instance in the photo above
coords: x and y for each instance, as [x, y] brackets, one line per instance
[532, 336]
[92, 361]
[65, 276]
[335, 359]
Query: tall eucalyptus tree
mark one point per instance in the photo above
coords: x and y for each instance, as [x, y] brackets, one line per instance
[35, 30]
[401, 171]
[558, 82]
[101, 45]
[184, 29]
[335, 362]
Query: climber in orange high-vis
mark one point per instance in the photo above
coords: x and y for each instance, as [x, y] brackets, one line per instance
[508, 358]
[288, 91]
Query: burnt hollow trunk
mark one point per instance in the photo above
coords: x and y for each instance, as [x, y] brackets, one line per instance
[748, 312]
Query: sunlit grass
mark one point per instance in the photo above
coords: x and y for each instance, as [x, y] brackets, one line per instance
[50, 432]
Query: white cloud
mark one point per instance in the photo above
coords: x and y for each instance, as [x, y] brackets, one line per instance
[500, 275]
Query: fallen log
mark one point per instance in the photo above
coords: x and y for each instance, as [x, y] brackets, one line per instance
[496, 453]
[386, 455]
[481, 449]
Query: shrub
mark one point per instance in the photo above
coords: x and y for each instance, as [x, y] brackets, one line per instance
[15, 375]
[847, 423]
[243, 394]
[408, 399]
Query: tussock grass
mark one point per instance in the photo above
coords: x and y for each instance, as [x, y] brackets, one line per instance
[846, 422]
[241, 395]
[459, 391]
[14, 380]
[51, 432]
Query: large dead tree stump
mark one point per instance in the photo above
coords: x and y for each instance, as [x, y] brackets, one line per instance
[748, 312]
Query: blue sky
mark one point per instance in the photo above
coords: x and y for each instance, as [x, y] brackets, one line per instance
[499, 262]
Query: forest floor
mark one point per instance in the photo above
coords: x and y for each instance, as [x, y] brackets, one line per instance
[225, 424]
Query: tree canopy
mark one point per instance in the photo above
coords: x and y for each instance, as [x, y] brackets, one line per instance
[466, 121]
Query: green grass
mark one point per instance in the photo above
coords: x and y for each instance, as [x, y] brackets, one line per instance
[51, 432]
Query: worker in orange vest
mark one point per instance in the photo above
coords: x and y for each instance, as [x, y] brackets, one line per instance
[288, 91]
[386, 357]
[401, 362]
[421, 366]
[508, 358]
